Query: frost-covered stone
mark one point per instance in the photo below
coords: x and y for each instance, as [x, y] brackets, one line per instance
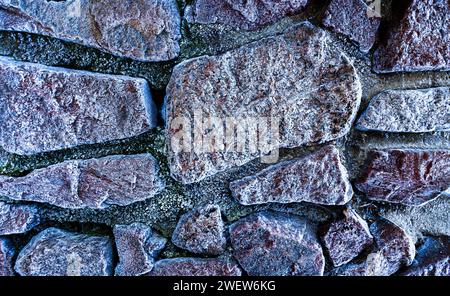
[45, 108]
[201, 231]
[195, 267]
[54, 252]
[137, 246]
[421, 42]
[93, 183]
[354, 19]
[318, 178]
[408, 111]
[258, 92]
[247, 15]
[276, 244]
[16, 218]
[7, 252]
[146, 30]
[432, 259]
[346, 238]
[407, 176]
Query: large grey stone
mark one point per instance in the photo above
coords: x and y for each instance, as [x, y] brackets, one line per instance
[7, 253]
[288, 90]
[54, 252]
[45, 108]
[146, 30]
[93, 183]
[16, 218]
[408, 111]
[195, 267]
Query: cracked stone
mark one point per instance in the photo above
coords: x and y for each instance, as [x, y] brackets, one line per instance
[276, 244]
[258, 92]
[201, 231]
[347, 238]
[7, 252]
[93, 183]
[432, 259]
[318, 178]
[55, 252]
[145, 30]
[410, 177]
[195, 267]
[46, 108]
[354, 19]
[420, 42]
[137, 246]
[246, 15]
[15, 219]
[408, 111]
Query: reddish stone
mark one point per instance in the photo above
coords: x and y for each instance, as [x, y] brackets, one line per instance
[195, 267]
[7, 252]
[16, 218]
[409, 176]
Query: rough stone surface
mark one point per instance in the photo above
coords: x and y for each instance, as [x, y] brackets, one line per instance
[146, 30]
[247, 15]
[16, 219]
[201, 231]
[54, 252]
[195, 267]
[137, 246]
[276, 244]
[410, 177]
[281, 78]
[7, 252]
[93, 183]
[45, 108]
[318, 178]
[346, 238]
[408, 111]
[421, 41]
[432, 259]
[354, 19]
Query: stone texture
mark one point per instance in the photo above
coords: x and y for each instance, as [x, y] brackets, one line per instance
[16, 219]
[201, 231]
[406, 176]
[137, 246]
[7, 252]
[280, 79]
[247, 15]
[54, 252]
[45, 108]
[408, 111]
[354, 19]
[146, 30]
[432, 259]
[276, 244]
[195, 267]
[318, 178]
[347, 238]
[420, 42]
[93, 183]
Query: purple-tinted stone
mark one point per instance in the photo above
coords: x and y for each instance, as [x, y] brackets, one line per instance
[137, 246]
[407, 176]
[346, 238]
[421, 42]
[201, 231]
[354, 19]
[318, 178]
[276, 244]
[7, 252]
[46, 108]
[247, 15]
[146, 30]
[16, 218]
[54, 252]
[432, 259]
[93, 183]
[195, 267]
